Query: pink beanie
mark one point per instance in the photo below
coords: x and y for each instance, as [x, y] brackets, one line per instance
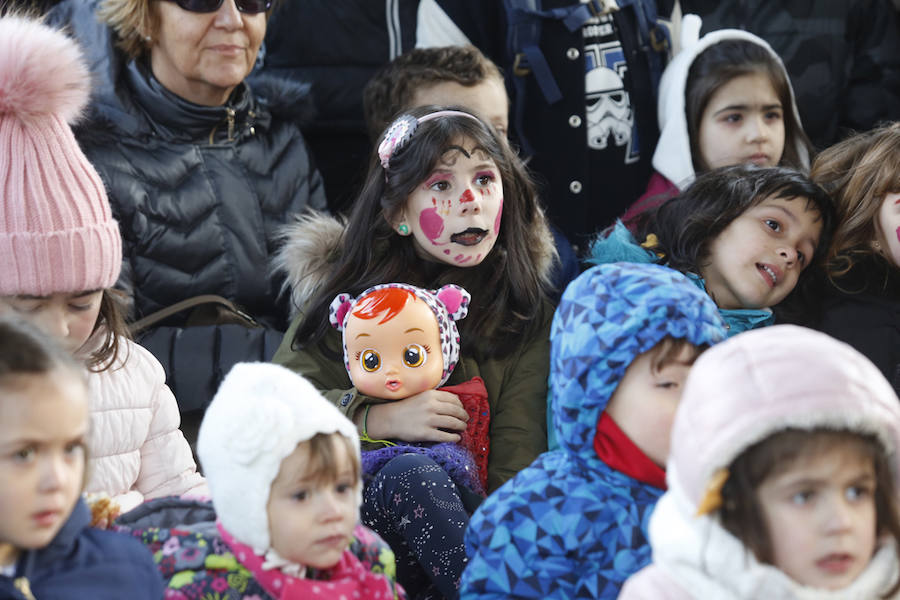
[765, 380]
[57, 233]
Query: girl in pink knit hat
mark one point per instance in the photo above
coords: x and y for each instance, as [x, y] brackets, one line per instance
[60, 255]
[782, 477]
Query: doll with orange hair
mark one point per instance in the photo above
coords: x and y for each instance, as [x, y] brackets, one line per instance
[400, 340]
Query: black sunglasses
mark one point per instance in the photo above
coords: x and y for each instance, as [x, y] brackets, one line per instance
[208, 6]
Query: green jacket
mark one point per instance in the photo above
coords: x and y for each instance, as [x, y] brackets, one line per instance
[516, 386]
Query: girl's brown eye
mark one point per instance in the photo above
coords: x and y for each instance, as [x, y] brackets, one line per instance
[371, 361]
[414, 355]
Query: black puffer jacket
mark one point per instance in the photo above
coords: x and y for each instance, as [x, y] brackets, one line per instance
[865, 313]
[199, 193]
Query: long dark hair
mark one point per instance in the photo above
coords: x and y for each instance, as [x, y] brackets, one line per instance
[719, 64]
[112, 321]
[508, 288]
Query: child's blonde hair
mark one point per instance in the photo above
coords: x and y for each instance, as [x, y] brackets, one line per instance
[858, 173]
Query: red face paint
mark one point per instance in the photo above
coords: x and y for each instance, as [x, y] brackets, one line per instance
[467, 196]
[431, 224]
[898, 234]
[497, 220]
[461, 259]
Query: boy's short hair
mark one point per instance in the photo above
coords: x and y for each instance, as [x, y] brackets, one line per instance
[669, 350]
[392, 88]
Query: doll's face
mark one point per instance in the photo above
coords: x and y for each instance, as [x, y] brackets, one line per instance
[398, 358]
[889, 228]
[43, 425]
[454, 215]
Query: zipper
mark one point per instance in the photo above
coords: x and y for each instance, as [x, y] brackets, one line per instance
[229, 117]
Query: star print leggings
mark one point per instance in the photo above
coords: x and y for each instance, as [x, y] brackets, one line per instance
[414, 505]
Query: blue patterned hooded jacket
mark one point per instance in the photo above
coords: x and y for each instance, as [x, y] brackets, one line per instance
[569, 526]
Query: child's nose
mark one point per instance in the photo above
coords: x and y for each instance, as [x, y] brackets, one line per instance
[789, 255]
[54, 323]
[469, 202]
[53, 474]
[757, 131]
[839, 516]
[330, 506]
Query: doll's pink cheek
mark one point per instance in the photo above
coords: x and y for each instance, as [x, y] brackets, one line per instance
[431, 224]
[497, 220]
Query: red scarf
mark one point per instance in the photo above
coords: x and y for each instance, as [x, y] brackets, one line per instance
[618, 451]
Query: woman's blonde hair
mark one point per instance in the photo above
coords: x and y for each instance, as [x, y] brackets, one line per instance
[858, 173]
[133, 21]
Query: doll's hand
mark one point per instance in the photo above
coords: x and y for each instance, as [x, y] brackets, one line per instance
[429, 416]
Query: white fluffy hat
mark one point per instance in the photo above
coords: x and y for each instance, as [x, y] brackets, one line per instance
[256, 419]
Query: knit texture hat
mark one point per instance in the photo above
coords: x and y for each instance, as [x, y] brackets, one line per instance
[256, 419]
[764, 381]
[57, 233]
[449, 304]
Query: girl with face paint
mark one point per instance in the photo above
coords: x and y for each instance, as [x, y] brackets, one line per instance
[445, 201]
[862, 299]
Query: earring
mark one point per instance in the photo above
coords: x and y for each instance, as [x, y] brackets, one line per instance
[403, 229]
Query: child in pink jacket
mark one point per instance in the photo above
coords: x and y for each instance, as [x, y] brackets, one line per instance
[60, 255]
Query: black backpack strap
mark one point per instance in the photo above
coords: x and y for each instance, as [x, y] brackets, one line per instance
[524, 18]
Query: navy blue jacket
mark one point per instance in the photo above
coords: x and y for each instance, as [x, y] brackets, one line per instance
[83, 562]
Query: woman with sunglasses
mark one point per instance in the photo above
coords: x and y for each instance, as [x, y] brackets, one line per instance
[201, 171]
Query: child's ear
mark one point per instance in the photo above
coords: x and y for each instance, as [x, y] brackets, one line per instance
[338, 309]
[400, 224]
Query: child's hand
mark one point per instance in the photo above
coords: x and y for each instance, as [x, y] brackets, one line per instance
[430, 416]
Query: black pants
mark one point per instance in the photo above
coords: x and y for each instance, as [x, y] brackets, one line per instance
[413, 504]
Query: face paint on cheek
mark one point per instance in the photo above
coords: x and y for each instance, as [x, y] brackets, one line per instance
[467, 196]
[431, 224]
[461, 259]
[898, 234]
[497, 220]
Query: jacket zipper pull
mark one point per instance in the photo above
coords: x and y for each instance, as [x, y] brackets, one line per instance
[229, 112]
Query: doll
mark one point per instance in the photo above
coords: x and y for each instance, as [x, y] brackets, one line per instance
[400, 340]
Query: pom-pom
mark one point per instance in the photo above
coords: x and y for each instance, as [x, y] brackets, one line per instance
[42, 72]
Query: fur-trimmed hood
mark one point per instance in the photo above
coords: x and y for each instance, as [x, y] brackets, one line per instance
[312, 242]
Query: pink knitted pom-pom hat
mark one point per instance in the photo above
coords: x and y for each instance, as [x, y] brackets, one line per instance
[57, 233]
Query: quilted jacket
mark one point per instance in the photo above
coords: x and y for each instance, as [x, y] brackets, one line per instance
[198, 193]
[136, 449]
[569, 526]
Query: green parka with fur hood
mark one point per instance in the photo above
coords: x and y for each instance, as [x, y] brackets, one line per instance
[516, 383]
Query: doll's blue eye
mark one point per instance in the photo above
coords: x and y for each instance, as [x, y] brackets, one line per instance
[371, 361]
[414, 355]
